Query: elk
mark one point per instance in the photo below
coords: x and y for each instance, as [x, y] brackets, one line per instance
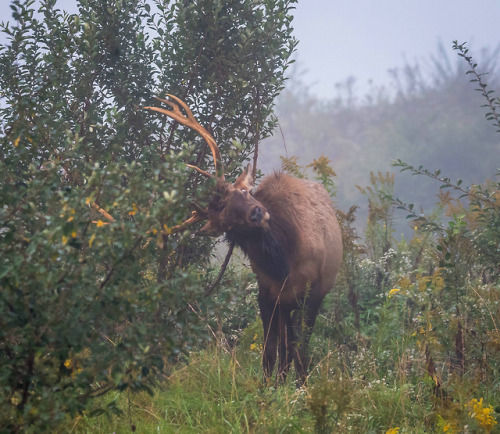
[289, 231]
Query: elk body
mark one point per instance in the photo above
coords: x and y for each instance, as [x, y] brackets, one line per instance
[289, 231]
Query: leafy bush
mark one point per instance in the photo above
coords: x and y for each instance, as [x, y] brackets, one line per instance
[97, 293]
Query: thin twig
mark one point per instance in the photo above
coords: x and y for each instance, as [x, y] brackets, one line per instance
[257, 135]
[210, 288]
[110, 273]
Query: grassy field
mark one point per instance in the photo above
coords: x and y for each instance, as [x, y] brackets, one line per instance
[220, 389]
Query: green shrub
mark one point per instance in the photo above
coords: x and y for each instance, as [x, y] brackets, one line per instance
[96, 292]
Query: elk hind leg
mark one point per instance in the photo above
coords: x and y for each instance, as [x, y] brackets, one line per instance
[303, 320]
[286, 340]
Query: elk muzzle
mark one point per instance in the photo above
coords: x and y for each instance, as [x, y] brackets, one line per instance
[257, 215]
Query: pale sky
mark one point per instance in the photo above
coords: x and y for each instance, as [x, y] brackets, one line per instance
[365, 38]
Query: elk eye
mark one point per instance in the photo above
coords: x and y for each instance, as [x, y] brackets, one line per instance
[244, 192]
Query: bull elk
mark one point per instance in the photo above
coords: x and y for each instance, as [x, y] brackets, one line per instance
[289, 231]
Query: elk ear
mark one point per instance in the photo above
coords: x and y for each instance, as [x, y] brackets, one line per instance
[245, 180]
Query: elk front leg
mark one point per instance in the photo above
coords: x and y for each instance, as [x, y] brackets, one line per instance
[269, 316]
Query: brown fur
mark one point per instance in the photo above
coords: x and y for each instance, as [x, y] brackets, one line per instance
[295, 251]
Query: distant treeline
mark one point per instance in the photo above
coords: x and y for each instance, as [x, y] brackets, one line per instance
[430, 116]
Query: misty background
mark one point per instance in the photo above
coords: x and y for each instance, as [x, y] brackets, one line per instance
[378, 81]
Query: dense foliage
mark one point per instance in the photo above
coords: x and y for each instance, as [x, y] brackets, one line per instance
[409, 340]
[96, 293]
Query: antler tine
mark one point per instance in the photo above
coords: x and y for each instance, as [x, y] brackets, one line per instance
[203, 172]
[189, 120]
[180, 103]
[199, 214]
[195, 217]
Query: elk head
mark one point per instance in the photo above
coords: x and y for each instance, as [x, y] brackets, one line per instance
[231, 208]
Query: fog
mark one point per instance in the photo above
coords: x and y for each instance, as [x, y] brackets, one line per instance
[365, 39]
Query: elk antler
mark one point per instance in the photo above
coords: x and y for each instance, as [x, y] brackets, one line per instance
[189, 120]
[105, 214]
[199, 214]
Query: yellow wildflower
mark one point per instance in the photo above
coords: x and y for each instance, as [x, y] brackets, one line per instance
[482, 414]
[404, 283]
[65, 239]
[134, 210]
[255, 347]
[100, 223]
[393, 430]
[437, 279]
[422, 282]
[450, 427]
[322, 166]
[72, 365]
[393, 291]
[167, 230]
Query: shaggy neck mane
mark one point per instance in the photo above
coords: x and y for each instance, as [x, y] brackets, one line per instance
[269, 249]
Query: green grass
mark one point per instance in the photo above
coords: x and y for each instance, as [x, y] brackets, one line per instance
[215, 392]
[221, 390]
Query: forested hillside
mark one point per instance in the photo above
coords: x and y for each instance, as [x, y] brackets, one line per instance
[430, 116]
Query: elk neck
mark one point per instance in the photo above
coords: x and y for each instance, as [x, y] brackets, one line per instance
[268, 249]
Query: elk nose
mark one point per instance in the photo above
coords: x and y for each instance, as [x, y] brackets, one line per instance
[256, 215]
